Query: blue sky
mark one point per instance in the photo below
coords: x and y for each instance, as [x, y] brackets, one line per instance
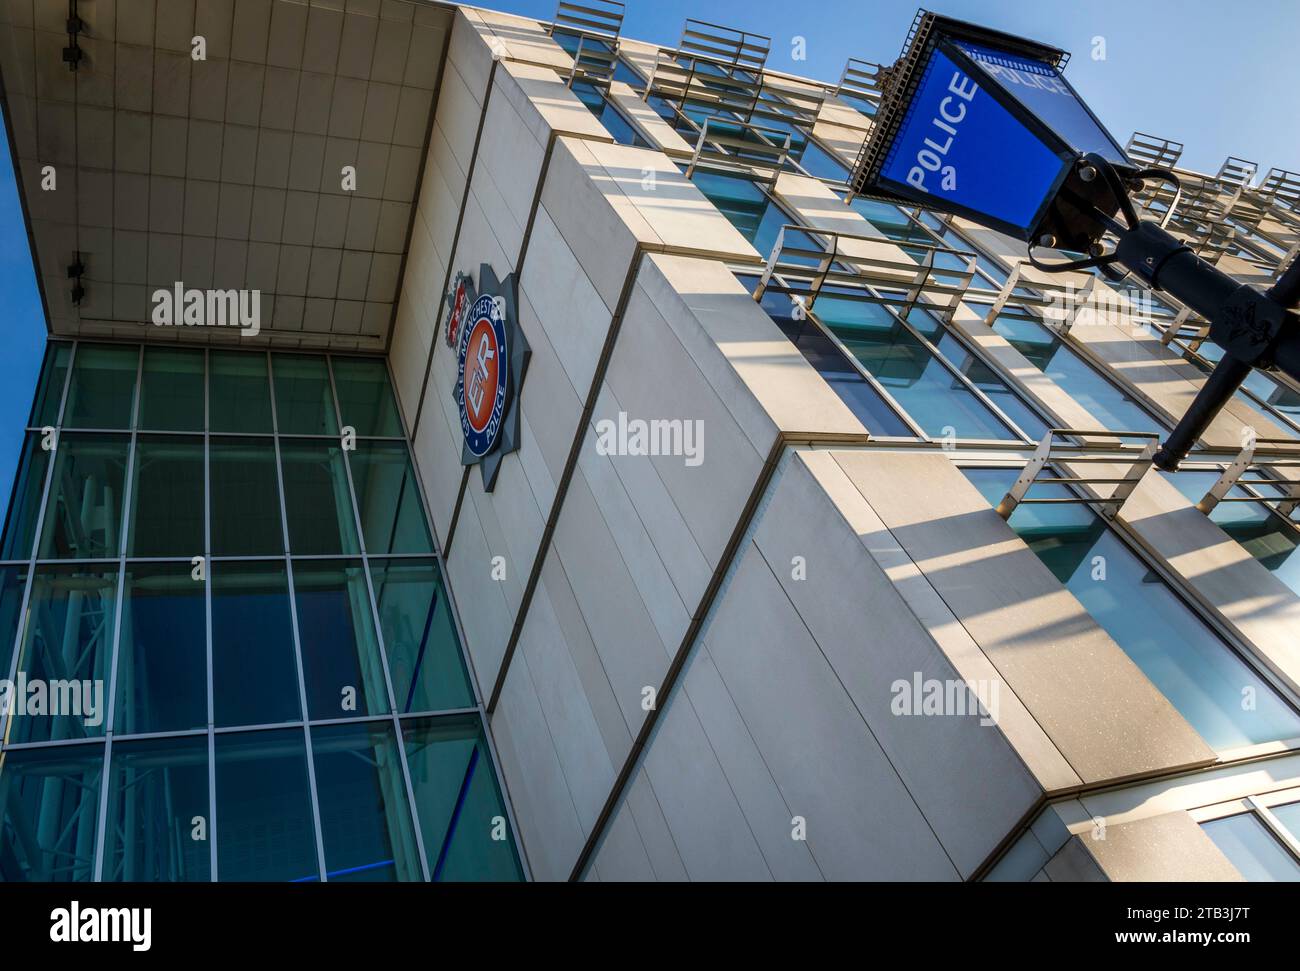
[1207, 70]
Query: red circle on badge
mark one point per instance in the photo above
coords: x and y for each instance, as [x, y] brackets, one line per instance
[482, 374]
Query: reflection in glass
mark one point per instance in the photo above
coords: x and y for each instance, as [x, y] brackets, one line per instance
[1289, 816]
[68, 637]
[254, 672]
[462, 817]
[239, 393]
[1252, 849]
[171, 393]
[157, 791]
[392, 520]
[84, 517]
[25, 504]
[424, 657]
[12, 581]
[102, 391]
[245, 497]
[50, 799]
[1045, 351]
[49, 391]
[264, 818]
[303, 402]
[316, 498]
[167, 497]
[162, 659]
[1260, 531]
[365, 816]
[342, 668]
[365, 397]
[1197, 672]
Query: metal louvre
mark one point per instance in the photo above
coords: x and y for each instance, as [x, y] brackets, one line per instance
[1287, 497]
[1133, 460]
[596, 25]
[760, 158]
[863, 79]
[901, 283]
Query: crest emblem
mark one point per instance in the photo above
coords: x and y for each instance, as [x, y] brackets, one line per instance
[491, 360]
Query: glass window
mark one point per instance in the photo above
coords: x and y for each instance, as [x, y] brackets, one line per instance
[1289, 816]
[618, 126]
[245, 494]
[264, 818]
[392, 519]
[753, 214]
[365, 396]
[13, 580]
[51, 811]
[68, 638]
[158, 825]
[1045, 351]
[254, 670]
[1204, 679]
[820, 164]
[25, 504]
[304, 404]
[49, 392]
[342, 668]
[167, 502]
[462, 816]
[316, 498]
[908, 370]
[84, 517]
[1252, 849]
[171, 394]
[162, 657]
[365, 816]
[1260, 531]
[820, 351]
[239, 395]
[424, 658]
[102, 392]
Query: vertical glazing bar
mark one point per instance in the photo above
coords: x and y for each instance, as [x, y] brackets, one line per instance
[36, 540]
[293, 617]
[125, 528]
[207, 563]
[379, 631]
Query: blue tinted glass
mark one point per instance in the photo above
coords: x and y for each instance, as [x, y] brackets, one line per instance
[895, 357]
[50, 800]
[820, 164]
[68, 637]
[1289, 816]
[25, 504]
[252, 634]
[158, 809]
[1252, 849]
[162, 659]
[609, 116]
[462, 815]
[365, 817]
[83, 518]
[392, 519]
[1196, 671]
[820, 351]
[1045, 351]
[1262, 533]
[424, 657]
[341, 665]
[264, 817]
[316, 498]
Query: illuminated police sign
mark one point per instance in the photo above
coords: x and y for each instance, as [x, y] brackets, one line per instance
[491, 361]
[984, 125]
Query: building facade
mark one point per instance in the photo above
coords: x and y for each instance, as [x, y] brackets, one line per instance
[471, 447]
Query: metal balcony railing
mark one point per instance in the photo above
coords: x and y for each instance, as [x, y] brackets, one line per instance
[1134, 461]
[898, 283]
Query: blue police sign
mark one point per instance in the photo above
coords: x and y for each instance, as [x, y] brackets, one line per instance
[984, 125]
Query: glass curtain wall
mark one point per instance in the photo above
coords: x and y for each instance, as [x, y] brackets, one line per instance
[227, 643]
